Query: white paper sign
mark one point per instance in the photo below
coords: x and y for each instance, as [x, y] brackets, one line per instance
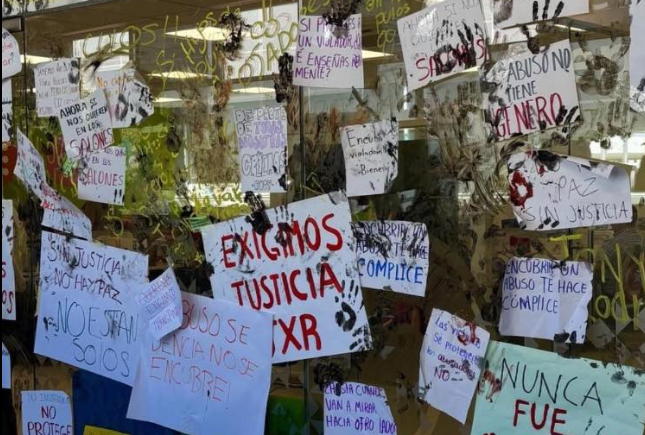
[359, 408]
[211, 375]
[520, 96]
[262, 141]
[324, 60]
[8, 283]
[509, 13]
[550, 192]
[46, 412]
[86, 126]
[87, 316]
[297, 262]
[451, 361]
[7, 221]
[371, 154]
[6, 368]
[11, 62]
[101, 176]
[441, 40]
[160, 302]
[30, 167]
[129, 99]
[546, 299]
[61, 214]
[57, 85]
[637, 55]
[7, 110]
[393, 255]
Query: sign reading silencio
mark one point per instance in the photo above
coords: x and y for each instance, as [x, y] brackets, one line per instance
[87, 317]
[532, 392]
[262, 141]
[328, 57]
[553, 192]
[86, 126]
[297, 262]
[546, 299]
[371, 153]
[208, 373]
[509, 13]
[393, 255]
[441, 40]
[520, 96]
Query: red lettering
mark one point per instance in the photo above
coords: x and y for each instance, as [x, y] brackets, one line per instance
[289, 337]
[309, 327]
[328, 277]
[555, 420]
[334, 232]
[518, 411]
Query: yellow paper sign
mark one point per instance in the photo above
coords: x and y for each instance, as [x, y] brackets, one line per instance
[91, 430]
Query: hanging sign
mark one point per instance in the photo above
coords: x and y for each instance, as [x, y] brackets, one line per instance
[57, 85]
[46, 412]
[160, 302]
[101, 176]
[11, 61]
[129, 99]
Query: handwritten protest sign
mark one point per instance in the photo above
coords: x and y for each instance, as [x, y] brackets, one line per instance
[57, 85]
[552, 192]
[101, 176]
[8, 283]
[451, 362]
[61, 214]
[509, 13]
[371, 157]
[30, 167]
[7, 110]
[546, 299]
[326, 58]
[46, 412]
[530, 391]
[262, 139]
[297, 262]
[357, 408]
[87, 316]
[203, 376]
[93, 430]
[86, 126]
[393, 255]
[160, 302]
[441, 40]
[519, 96]
[11, 62]
[129, 98]
[637, 56]
[6, 368]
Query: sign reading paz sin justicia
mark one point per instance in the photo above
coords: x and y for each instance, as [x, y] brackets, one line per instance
[552, 192]
[532, 392]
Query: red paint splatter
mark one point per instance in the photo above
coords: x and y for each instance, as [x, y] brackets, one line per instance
[495, 384]
[468, 338]
[518, 181]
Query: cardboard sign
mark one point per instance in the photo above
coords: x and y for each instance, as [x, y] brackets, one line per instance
[86, 126]
[451, 362]
[57, 85]
[359, 408]
[101, 176]
[160, 302]
[214, 372]
[6, 368]
[129, 99]
[442, 40]
[262, 140]
[546, 299]
[8, 283]
[46, 412]
[533, 392]
[326, 60]
[637, 56]
[393, 255]
[11, 62]
[7, 110]
[30, 167]
[61, 214]
[509, 13]
[87, 317]
[519, 96]
[371, 154]
[297, 262]
[552, 192]
[92, 430]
